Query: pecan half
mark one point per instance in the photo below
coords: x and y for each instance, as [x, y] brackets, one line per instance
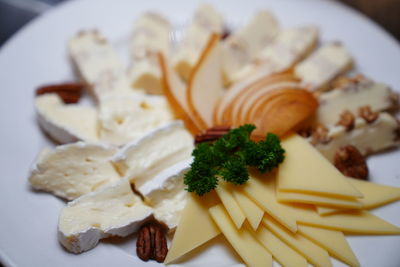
[320, 135]
[68, 92]
[211, 134]
[349, 161]
[151, 243]
[367, 114]
[346, 120]
[343, 82]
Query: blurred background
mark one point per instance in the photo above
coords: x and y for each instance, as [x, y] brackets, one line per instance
[16, 13]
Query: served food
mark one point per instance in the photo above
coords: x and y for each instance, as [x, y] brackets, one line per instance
[269, 128]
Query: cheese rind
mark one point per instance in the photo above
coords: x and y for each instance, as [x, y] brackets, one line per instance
[66, 123]
[305, 170]
[112, 211]
[73, 170]
[242, 240]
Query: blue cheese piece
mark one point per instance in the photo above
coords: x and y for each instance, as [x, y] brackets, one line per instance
[66, 123]
[73, 170]
[112, 211]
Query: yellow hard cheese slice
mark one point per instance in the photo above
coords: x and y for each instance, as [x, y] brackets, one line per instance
[224, 191]
[296, 197]
[313, 253]
[332, 241]
[281, 252]
[356, 221]
[195, 227]
[261, 189]
[253, 212]
[375, 195]
[242, 240]
[306, 170]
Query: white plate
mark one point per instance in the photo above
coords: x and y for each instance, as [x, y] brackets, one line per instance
[37, 55]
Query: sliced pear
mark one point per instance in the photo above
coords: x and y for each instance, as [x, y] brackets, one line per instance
[205, 86]
[175, 92]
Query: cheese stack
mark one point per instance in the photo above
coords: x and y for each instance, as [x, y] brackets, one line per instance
[273, 216]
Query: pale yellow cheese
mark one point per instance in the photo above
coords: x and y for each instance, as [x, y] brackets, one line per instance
[306, 170]
[251, 210]
[195, 227]
[318, 200]
[242, 240]
[261, 190]
[224, 191]
[281, 252]
[332, 241]
[375, 195]
[356, 221]
[313, 253]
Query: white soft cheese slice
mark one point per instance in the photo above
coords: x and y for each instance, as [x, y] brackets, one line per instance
[141, 160]
[245, 44]
[73, 170]
[166, 193]
[323, 66]
[368, 138]
[206, 21]
[98, 64]
[112, 211]
[125, 118]
[151, 34]
[377, 96]
[66, 123]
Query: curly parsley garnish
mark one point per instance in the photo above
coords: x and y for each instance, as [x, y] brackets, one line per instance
[229, 157]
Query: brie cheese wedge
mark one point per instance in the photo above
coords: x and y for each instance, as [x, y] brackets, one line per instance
[111, 211]
[66, 123]
[166, 193]
[73, 170]
[141, 160]
[125, 118]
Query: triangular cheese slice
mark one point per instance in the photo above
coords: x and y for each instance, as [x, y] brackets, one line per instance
[306, 170]
[332, 241]
[281, 252]
[242, 240]
[251, 210]
[313, 253]
[261, 189]
[195, 227]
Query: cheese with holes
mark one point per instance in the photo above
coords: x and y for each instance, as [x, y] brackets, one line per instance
[332, 241]
[166, 193]
[261, 189]
[111, 211]
[280, 251]
[196, 226]
[206, 21]
[127, 117]
[313, 253]
[242, 240]
[367, 137]
[98, 64]
[244, 45]
[66, 123]
[322, 66]
[151, 34]
[73, 170]
[306, 170]
[375, 195]
[142, 159]
[251, 210]
[224, 192]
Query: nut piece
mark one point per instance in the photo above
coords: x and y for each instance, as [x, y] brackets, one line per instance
[349, 161]
[343, 82]
[211, 134]
[367, 114]
[346, 120]
[320, 135]
[69, 92]
[151, 243]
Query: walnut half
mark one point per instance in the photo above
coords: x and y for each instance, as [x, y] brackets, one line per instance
[349, 161]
